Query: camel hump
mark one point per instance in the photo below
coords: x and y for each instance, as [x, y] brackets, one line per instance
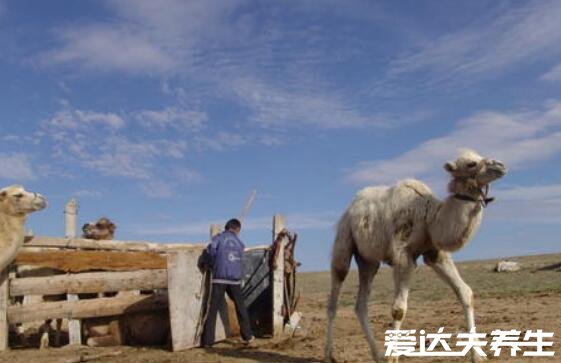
[418, 186]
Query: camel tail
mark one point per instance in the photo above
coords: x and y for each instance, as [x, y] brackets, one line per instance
[343, 249]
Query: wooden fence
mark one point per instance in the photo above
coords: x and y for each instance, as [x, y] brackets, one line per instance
[108, 266]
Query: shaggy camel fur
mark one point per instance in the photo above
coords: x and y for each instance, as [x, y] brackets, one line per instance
[398, 224]
[15, 204]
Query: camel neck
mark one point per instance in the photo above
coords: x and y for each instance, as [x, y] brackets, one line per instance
[455, 222]
[10, 222]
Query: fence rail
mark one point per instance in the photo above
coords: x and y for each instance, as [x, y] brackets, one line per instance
[101, 266]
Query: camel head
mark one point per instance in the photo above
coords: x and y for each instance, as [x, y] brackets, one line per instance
[16, 201]
[102, 229]
[472, 167]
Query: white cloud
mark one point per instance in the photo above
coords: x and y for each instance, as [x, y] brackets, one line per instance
[177, 118]
[15, 166]
[553, 75]
[217, 45]
[109, 47]
[528, 193]
[537, 204]
[220, 141]
[144, 37]
[522, 33]
[518, 138]
[118, 156]
[69, 118]
[299, 105]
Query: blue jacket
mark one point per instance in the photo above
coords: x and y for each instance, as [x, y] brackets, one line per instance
[226, 252]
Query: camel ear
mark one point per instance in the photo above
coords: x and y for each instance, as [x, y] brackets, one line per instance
[450, 166]
[3, 195]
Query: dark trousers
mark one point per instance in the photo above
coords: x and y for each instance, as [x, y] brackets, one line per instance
[216, 300]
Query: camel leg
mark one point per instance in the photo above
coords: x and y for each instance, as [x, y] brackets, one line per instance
[340, 263]
[44, 342]
[444, 266]
[58, 332]
[366, 273]
[402, 271]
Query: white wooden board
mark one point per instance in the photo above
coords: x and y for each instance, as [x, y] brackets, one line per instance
[186, 300]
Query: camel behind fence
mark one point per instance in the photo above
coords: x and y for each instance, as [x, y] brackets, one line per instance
[100, 266]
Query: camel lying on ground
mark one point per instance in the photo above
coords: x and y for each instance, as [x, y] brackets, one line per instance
[396, 225]
[148, 328]
[102, 229]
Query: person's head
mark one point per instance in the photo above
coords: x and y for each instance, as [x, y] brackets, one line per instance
[233, 225]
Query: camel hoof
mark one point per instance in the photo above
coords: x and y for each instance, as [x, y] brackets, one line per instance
[44, 342]
[329, 359]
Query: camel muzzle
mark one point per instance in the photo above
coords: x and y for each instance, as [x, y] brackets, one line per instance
[39, 202]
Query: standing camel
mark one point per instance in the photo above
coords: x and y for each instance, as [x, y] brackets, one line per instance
[398, 224]
[15, 204]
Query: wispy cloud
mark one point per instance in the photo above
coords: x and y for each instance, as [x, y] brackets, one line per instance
[144, 37]
[220, 141]
[69, 118]
[300, 104]
[295, 221]
[111, 145]
[529, 204]
[221, 49]
[111, 47]
[15, 167]
[526, 32]
[553, 75]
[172, 117]
[518, 138]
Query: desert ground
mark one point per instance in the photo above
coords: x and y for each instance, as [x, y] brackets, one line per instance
[528, 299]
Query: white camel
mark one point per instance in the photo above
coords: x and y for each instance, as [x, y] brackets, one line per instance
[398, 224]
[15, 204]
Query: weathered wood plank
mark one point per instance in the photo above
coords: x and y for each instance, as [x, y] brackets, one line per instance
[88, 308]
[4, 298]
[278, 278]
[184, 285]
[78, 261]
[186, 299]
[41, 243]
[89, 282]
[111, 245]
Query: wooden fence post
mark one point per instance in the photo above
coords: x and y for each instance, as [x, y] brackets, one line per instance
[215, 229]
[70, 214]
[278, 278]
[4, 300]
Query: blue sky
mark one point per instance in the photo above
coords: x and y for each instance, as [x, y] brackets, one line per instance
[165, 115]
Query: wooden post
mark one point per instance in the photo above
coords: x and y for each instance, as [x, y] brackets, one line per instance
[70, 213]
[4, 298]
[278, 278]
[215, 229]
